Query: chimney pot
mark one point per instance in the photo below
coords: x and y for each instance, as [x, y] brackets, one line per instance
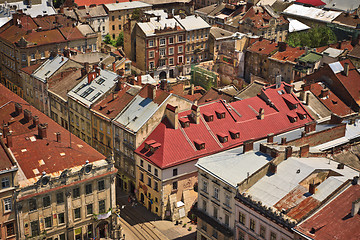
[248, 146]
[6, 129]
[288, 152]
[346, 69]
[58, 137]
[304, 151]
[27, 115]
[18, 109]
[261, 114]
[270, 138]
[355, 207]
[312, 188]
[272, 168]
[324, 93]
[35, 121]
[283, 140]
[42, 127]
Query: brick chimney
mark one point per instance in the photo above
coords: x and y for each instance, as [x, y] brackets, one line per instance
[97, 70]
[172, 115]
[283, 140]
[138, 78]
[288, 152]
[113, 66]
[346, 69]
[324, 93]
[91, 76]
[163, 84]
[270, 138]
[42, 130]
[261, 114]
[103, 66]
[312, 188]
[304, 151]
[355, 207]
[339, 44]
[272, 168]
[248, 146]
[58, 137]
[5, 129]
[27, 115]
[35, 121]
[151, 92]
[18, 109]
[195, 114]
[9, 140]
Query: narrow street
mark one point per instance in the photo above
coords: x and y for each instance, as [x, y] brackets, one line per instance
[138, 223]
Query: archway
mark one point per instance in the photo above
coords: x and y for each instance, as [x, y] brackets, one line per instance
[162, 75]
[102, 229]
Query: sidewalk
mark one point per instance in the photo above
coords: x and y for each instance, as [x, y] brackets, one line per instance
[165, 229]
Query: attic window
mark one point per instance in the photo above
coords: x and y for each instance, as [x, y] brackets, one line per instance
[199, 144]
[302, 114]
[148, 144]
[234, 134]
[292, 117]
[290, 101]
[185, 122]
[220, 114]
[208, 117]
[154, 147]
[222, 137]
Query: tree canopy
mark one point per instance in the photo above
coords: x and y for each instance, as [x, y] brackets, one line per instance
[118, 42]
[317, 36]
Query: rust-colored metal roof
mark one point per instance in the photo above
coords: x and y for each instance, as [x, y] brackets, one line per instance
[263, 46]
[35, 155]
[260, 18]
[289, 55]
[352, 81]
[30, 69]
[334, 221]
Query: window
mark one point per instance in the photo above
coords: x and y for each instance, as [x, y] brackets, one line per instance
[59, 198]
[23, 57]
[62, 236]
[151, 43]
[174, 185]
[272, 236]
[156, 172]
[149, 181]
[88, 189]
[7, 204]
[171, 61]
[61, 218]
[171, 51]
[180, 49]
[142, 163]
[162, 52]
[215, 213]
[101, 206]
[175, 172]
[162, 42]
[151, 54]
[216, 193]
[90, 231]
[113, 27]
[32, 57]
[89, 209]
[151, 65]
[101, 185]
[241, 235]
[171, 40]
[119, 27]
[10, 230]
[35, 230]
[42, 55]
[48, 223]
[149, 167]
[76, 192]
[32, 204]
[252, 224]
[119, 17]
[162, 62]
[215, 233]
[204, 205]
[180, 59]
[180, 38]
[205, 186]
[77, 213]
[141, 177]
[46, 201]
[262, 231]
[156, 186]
[5, 182]
[227, 199]
[113, 18]
[227, 220]
[242, 218]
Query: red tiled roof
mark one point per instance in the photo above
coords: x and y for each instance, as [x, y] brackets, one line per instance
[47, 154]
[261, 18]
[334, 221]
[45, 37]
[98, 2]
[71, 33]
[352, 81]
[30, 69]
[178, 145]
[263, 46]
[289, 55]
[332, 102]
[339, 45]
[314, 3]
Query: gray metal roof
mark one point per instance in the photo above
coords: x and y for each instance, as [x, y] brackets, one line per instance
[232, 166]
[271, 189]
[149, 27]
[137, 112]
[49, 67]
[347, 5]
[87, 94]
[34, 10]
[126, 5]
[311, 13]
[192, 22]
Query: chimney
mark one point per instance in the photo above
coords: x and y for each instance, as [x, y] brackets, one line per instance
[346, 69]
[139, 80]
[270, 138]
[340, 166]
[283, 140]
[83, 72]
[307, 98]
[97, 70]
[91, 77]
[95, 66]
[312, 188]
[192, 89]
[58, 137]
[248, 146]
[151, 92]
[304, 151]
[42, 130]
[324, 93]
[113, 66]
[27, 115]
[103, 66]
[355, 180]
[272, 168]
[6, 129]
[163, 84]
[9, 140]
[310, 127]
[87, 66]
[171, 113]
[278, 81]
[18, 109]
[195, 114]
[339, 44]
[355, 207]
[274, 153]
[261, 114]
[35, 121]
[288, 152]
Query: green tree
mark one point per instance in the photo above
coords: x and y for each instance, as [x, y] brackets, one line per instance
[120, 40]
[317, 36]
[107, 39]
[136, 14]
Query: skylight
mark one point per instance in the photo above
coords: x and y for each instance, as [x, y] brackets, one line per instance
[87, 92]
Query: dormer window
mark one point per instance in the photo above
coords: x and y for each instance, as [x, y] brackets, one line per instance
[154, 147]
[234, 134]
[185, 122]
[290, 101]
[208, 117]
[301, 114]
[148, 144]
[220, 114]
[199, 144]
[222, 137]
[292, 117]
